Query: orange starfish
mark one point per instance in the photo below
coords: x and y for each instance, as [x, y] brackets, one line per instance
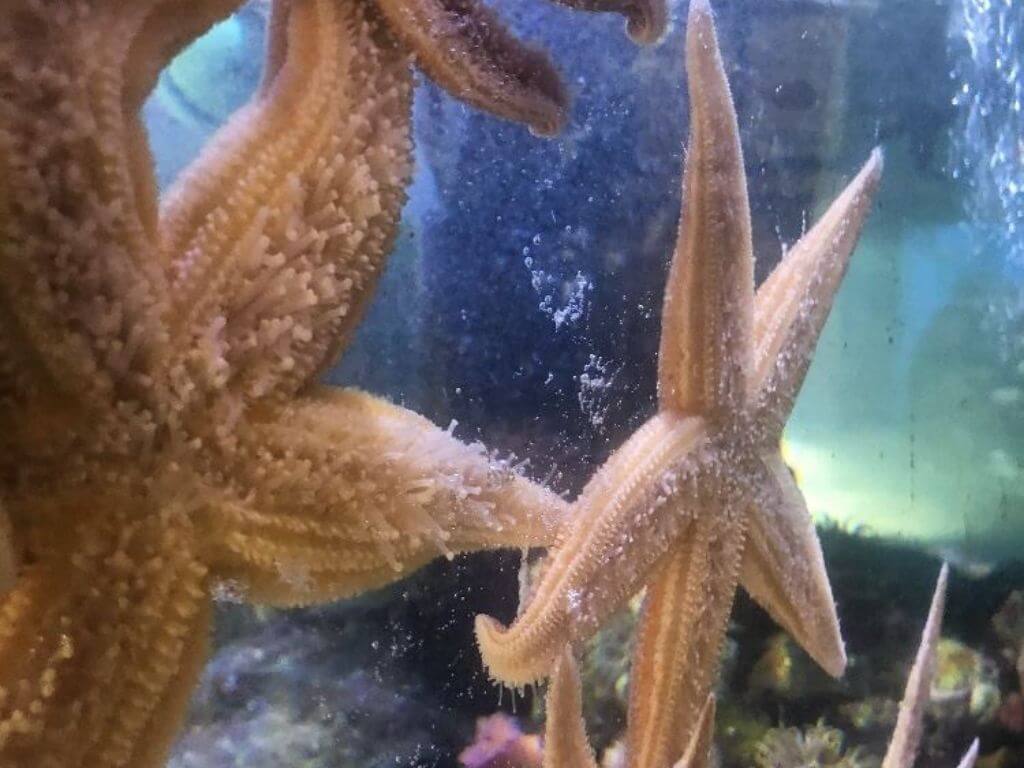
[698, 500]
[161, 431]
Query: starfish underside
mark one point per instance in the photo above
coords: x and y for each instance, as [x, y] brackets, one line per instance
[566, 745]
[161, 431]
[699, 500]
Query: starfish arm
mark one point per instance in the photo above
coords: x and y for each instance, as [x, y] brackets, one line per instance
[645, 19]
[706, 319]
[9, 559]
[100, 648]
[466, 49]
[784, 570]
[793, 303]
[565, 733]
[679, 639]
[629, 514]
[344, 491]
[276, 235]
[906, 738]
[698, 751]
[970, 756]
[81, 288]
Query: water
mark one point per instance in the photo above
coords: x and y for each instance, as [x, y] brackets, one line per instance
[904, 429]
[520, 312]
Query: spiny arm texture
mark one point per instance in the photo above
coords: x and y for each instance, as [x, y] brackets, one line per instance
[161, 431]
[699, 501]
[565, 739]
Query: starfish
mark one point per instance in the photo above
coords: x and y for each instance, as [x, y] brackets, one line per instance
[503, 76]
[162, 435]
[699, 500]
[565, 737]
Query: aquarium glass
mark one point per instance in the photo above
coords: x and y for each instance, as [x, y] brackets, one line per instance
[520, 313]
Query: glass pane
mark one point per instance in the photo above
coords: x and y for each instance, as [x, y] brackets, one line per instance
[210, 400]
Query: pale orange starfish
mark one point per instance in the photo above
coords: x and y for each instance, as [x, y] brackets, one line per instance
[161, 429]
[565, 739]
[699, 500]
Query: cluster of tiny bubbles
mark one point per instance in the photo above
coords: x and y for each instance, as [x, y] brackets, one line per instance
[988, 136]
[563, 299]
[596, 382]
[986, 41]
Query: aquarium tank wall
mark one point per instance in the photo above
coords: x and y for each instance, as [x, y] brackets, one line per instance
[512, 385]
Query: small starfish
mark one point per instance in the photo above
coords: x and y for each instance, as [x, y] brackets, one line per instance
[161, 432]
[699, 500]
[565, 737]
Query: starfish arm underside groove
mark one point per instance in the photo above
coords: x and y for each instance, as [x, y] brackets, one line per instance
[784, 569]
[311, 178]
[565, 733]
[698, 751]
[629, 513]
[682, 627]
[465, 48]
[101, 645]
[344, 491]
[705, 350]
[10, 560]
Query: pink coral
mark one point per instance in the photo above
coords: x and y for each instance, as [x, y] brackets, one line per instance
[501, 743]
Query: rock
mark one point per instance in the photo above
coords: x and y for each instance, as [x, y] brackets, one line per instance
[290, 695]
[786, 671]
[1008, 624]
[965, 684]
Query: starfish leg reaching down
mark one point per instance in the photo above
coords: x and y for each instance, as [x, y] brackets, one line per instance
[161, 431]
[567, 746]
[698, 500]
[565, 736]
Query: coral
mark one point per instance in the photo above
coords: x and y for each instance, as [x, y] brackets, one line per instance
[501, 743]
[965, 681]
[788, 673]
[816, 747]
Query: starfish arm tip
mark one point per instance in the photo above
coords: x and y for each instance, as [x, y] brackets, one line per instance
[836, 666]
[875, 165]
[489, 633]
[646, 24]
[970, 756]
[503, 656]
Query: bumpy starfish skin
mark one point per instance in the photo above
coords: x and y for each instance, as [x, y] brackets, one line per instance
[565, 737]
[161, 432]
[906, 737]
[464, 47]
[699, 500]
